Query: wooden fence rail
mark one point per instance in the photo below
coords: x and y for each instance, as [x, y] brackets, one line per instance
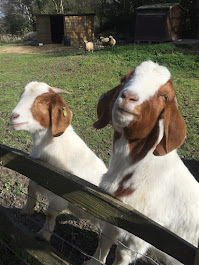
[18, 234]
[96, 202]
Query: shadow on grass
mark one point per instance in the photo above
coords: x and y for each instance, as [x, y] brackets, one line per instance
[193, 166]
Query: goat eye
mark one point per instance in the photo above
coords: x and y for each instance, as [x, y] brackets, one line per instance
[165, 97]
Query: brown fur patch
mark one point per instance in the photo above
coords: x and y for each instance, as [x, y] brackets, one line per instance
[40, 110]
[139, 148]
[121, 191]
[174, 130]
[47, 109]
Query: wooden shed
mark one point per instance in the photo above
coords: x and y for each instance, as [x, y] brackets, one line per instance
[57, 28]
[159, 22]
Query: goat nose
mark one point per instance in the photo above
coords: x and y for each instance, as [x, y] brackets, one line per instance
[129, 96]
[14, 116]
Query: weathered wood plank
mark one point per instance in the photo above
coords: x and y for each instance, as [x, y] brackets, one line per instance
[94, 201]
[19, 234]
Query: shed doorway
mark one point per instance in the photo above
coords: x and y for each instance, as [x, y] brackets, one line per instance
[57, 28]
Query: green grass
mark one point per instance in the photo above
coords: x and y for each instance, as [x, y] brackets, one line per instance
[87, 77]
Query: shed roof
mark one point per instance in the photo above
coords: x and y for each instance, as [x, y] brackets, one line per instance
[159, 6]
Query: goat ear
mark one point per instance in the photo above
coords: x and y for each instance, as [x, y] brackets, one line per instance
[106, 102]
[174, 130]
[104, 107]
[58, 90]
[61, 116]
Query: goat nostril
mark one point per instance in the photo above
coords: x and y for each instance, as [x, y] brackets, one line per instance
[123, 95]
[14, 116]
[133, 98]
[129, 96]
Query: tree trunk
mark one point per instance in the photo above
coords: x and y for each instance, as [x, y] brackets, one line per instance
[195, 18]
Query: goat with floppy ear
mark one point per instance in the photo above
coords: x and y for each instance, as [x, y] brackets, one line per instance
[43, 112]
[145, 170]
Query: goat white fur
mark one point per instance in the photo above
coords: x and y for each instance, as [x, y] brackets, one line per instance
[108, 41]
[43, 113]
[112, 41]
[88, 46]
[105, 41]
[145, 170]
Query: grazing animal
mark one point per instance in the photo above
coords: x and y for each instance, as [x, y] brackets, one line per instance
[104, 41]
[43, 113]
[112, 41]
[145, 170]
[108, 41]
[88, 46]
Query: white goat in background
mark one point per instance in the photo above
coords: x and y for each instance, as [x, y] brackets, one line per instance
[108, 41]
[88, 46]
[43, 113]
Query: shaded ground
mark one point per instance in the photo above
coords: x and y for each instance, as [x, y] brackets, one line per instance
[27, 49]
[69, 231]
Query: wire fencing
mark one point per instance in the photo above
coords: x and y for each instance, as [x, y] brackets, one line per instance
[35, 223]
[90, 198]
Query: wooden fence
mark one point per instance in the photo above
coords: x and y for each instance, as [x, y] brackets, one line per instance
[93, 200]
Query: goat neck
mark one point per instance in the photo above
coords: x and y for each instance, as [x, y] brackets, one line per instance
[138, 148]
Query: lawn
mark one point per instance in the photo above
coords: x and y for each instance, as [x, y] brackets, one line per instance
[87, 77]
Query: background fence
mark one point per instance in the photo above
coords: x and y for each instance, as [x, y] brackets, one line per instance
[93, 200]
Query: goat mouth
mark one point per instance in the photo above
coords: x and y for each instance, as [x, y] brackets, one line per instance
[18, 124]
[125, 111]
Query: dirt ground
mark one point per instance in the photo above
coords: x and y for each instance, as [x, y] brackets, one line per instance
[68, 231]
[28, 49]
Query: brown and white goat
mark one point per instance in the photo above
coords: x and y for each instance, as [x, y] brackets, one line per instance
[43, 113]
[145, 170]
